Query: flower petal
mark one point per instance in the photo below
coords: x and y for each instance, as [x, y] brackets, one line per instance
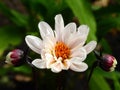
[34, 43]
[66, 64]
[57, 67]
[49, 42]
[49, 60]
[79, 67]
[90, 46]
[70, 28]
[75, 41]
[45, 29]
[83, 30]
[80, 53]
[59, 26]
[39, 63]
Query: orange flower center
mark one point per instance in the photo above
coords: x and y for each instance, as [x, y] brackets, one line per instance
[62, 50]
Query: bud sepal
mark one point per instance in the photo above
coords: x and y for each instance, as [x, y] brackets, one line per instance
[15, 57]
[108, 63]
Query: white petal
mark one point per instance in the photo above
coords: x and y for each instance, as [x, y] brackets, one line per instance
[49, 60]
[90, 46]
[59, 26]
[70, 28]
[34, 43]
[79, 67]
[39, 63]
[45, 29]
[75, 41]
[75, 60]
[66, 64]
[57, 67]
[8, 59]
[49, 42]
[59, 23]
[83, 30]
[80, 53]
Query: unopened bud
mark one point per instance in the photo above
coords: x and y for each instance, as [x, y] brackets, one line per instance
[15, 57]
[108, 62]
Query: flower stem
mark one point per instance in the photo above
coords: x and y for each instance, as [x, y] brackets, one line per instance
[95, 64]
[35, 75]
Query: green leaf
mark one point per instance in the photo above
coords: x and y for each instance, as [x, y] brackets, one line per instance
[107, 18]
[24, 69]
[82, 9]
[3, 71]
[9, 36]
[107, 23]
[16, 17]
[105, 45]
[98, 81]
[114, 76]
[116, 81]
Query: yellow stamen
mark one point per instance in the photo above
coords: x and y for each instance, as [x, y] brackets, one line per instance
[62, 50]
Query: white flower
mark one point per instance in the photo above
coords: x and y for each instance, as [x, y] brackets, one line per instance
[63, 48]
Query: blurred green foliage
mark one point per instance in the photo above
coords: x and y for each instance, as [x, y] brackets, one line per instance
[23, 17]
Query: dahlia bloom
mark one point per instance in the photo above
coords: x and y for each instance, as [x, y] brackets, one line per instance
[62, 48]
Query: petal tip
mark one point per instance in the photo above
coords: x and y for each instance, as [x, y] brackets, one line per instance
[90, 46]
[58, 16]
[94, 43]
[39, 63]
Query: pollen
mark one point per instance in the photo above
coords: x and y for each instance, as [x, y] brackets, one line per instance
[62, 50]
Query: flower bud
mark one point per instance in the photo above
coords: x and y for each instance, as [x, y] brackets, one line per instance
[15, 57]
[108, 62]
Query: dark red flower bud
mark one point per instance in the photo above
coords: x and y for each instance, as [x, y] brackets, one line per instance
[15, 57]
[108, 62]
